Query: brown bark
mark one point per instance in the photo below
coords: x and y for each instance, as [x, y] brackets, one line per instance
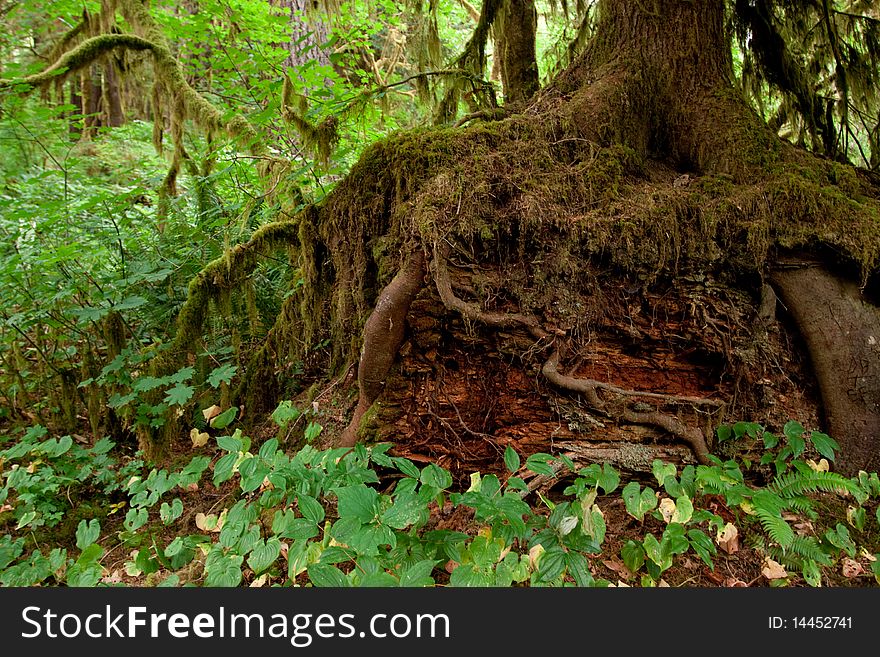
[842, 332]
[515, 49]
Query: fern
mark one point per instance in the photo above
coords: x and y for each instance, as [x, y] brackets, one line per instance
[792, 484]
[776, 527]
[800, 550]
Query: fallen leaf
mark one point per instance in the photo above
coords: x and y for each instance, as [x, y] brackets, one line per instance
[714, 577]
[821, 466]
[667, 509]
[113, 578]
[259, 581]
[728, 539]
[663, 584]
[851, 568]
[735, 583]
[451, 565]
[804, 528]
[211, 412]
[198, 438]
[193, 487]
[618, 567]
[773, 570]
[622, 585]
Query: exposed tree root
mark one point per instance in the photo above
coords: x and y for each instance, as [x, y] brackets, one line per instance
[842, 332]
[383, 335]
[588, 387]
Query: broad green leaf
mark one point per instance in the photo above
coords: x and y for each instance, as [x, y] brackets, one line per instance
[264, 554]
[633, 555]
[87, 533]
[223, 570]
[325, 575]
[358, 501]
[511, 459]
[824, 444]
[178, 395]
[222, 374]
[168, 513]
[225, 418]
[434, 475]
[310, 508]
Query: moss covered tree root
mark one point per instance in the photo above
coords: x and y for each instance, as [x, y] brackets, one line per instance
[639, 166]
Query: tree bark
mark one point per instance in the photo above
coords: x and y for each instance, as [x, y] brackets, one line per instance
[515, 44]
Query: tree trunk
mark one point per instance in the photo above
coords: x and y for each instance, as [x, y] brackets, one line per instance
[515, 49]
[586, 275]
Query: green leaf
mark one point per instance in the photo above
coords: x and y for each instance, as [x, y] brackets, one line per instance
[662, 470]
[222, 374]
[552, 564]
[310, 508]
[135, 519]
[703, 546]
[579, 568]
[419, 574]
[225, 418]
[358, 501]
[87, 533]
[609, 480]
[434, 475]
[222, 569]
[794, 433]
[406, 466]
[264, 554]
[178, 395]
[313, 430]
[325, 575]
[406, 510]
[170, 513]
[633, 555]
[285, 413]
[511, 459]
[824, 444]
[540, 463]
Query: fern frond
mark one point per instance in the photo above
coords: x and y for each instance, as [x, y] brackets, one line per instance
[801, 549]
[792, 484]
[776, 527]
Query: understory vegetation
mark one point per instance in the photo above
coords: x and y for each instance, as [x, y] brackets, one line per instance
[439, 293]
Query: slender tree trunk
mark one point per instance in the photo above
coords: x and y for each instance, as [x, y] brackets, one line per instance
[515, 49]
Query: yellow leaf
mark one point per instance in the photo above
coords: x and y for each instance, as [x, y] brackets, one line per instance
[211, 412]
[198, 438]
[667, 509]
[535, 556]
[259, 581]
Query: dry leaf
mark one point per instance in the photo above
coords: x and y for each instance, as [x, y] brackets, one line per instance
[663, 584]
[451, 565]
[534, 555]
[773, 570]
[735, 583]
[199, 439]
[210, 523]
[667, 509]
[259, 581]
[821, 466]
[851, 568]
[618, 567]
[728, 539]
[211, 412]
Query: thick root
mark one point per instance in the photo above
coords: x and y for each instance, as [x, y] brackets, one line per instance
[383, 335]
